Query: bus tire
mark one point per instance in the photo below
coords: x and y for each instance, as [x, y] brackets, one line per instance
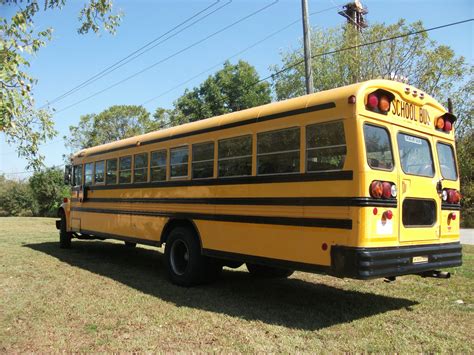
[130, 244]
[64, 236]
[268, 271]
[185, 265]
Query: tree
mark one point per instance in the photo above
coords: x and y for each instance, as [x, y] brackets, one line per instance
[430, 67]
[16, 198]
[233, 88]
[48, 190]
[23, 124]
[114, 123]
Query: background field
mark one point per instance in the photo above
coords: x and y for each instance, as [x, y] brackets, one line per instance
[101, 296]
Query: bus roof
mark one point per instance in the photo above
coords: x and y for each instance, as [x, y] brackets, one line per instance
[328, 96]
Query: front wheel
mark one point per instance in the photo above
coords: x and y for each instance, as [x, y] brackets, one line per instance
[268, 271]
[185, 264]
[64, 236]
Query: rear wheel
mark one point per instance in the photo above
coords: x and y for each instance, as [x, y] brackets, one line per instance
[185, 264]
[64, 236]
[268, 271]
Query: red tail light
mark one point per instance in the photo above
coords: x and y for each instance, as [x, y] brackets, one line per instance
[372, 101]
[451, 196]
[387, 190]
[448, 126]
[388, 214]
[382, 189]
[445, 122]
[376, 189]
[379, 101]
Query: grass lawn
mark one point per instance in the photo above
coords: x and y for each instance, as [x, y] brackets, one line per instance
[101, 296]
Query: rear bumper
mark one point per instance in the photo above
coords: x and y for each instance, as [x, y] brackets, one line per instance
[369, 263]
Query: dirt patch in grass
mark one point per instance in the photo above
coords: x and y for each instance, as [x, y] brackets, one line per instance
[101, 296]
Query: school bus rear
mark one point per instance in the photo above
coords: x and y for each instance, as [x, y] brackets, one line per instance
[409, 169]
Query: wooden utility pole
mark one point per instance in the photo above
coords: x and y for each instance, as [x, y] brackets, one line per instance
[354, 13]
[307, 48]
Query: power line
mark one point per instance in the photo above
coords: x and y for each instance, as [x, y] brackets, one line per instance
[140, 51]
[236, 54]
[271, 76]
[170, 56]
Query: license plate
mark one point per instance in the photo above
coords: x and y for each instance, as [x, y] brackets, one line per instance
[420, 259]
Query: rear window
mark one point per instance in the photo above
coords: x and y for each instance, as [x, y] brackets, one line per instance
[415, 155]
[378, 147]
[446, 161]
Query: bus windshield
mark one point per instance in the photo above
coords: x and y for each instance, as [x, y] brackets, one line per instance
[415, 155]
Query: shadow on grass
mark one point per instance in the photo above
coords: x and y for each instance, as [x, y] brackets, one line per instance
[290, 302]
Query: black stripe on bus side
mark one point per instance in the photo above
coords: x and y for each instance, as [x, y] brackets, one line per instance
[271, 179]
[450, 207]
[120, 237]
[274, 116]
[256, 201]
[285, 264]
[276, 220]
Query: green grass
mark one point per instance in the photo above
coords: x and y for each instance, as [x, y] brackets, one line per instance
[101, 296]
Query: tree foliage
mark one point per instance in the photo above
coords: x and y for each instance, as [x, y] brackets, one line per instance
[48, 190]
[431, 67]
[23, 124]
[114, 123]
[15, 198]
[40, 195]
[233, 88]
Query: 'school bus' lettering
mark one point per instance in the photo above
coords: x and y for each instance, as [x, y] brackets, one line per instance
[282, 187]
[410, 111]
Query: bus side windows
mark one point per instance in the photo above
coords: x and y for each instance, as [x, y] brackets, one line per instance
[278, 152]
[99, 177]
[88, 173]
[111, 177]
[77, 175]
[158, 165]
[235, 156]
[325, 146]
[125, 170]
[203, 160]
[179, 162]
[140, 171]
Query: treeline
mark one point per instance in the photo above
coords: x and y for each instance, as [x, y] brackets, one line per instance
[40, 195]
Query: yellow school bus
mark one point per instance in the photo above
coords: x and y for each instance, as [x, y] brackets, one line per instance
[359, 181]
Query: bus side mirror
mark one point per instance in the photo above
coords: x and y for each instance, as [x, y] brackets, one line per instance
[68, 174]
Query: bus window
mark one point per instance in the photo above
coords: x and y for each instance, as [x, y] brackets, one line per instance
[125, 170]
[158, 165]
[88, 173]
[99, 172]
[325, 146]
[378, 147]
[140, 171]
[77, 175]
[278, 152]
[203, 160]
[446, 161]
[179, 162]
[111, 177]
[235, 156]
[415, 155]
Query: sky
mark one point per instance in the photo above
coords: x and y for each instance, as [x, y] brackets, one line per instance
[70, 58]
